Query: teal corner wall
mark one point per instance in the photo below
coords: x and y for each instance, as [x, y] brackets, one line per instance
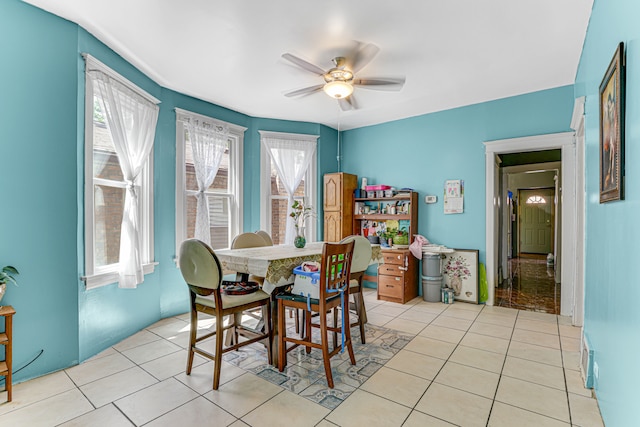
[423, 152]
[38, 218]
[611, 316]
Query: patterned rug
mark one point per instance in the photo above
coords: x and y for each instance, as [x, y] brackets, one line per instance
[304, 373]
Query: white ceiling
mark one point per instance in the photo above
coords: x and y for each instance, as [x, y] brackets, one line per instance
[452, 52]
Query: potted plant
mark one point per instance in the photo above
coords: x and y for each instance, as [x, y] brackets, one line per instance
[401, 237]
[300, 213]
[386, 237]
[6, 276]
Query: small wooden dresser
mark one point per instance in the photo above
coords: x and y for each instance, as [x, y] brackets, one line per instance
[398, 276]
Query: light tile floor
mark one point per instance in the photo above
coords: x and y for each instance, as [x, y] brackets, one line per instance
[424, 364]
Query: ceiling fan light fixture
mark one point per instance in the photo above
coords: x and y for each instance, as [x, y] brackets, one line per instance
[338, 89]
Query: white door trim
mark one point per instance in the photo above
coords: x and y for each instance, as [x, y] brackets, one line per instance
[565, 142]
[577, 124]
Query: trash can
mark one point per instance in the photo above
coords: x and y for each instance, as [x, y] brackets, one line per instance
[431, 264]
[431, 288]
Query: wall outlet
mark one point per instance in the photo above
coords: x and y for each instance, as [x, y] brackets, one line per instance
[430, 199]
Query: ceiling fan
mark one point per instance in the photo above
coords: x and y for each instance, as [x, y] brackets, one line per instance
[340, 81]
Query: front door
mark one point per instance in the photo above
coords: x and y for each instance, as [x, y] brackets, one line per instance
[536, 220]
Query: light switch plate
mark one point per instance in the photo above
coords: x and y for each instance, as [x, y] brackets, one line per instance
[430, 199]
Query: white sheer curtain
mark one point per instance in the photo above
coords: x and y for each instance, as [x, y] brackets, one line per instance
[292, 159]
[131, 120]
[208, 143]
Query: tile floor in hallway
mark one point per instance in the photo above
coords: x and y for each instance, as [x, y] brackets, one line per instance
[530, 285]
[424, 364]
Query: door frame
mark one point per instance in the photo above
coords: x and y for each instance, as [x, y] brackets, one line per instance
[577, 124]
[564, 141]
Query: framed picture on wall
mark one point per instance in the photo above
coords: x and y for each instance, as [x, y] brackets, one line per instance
[612, 129]
[460, 271]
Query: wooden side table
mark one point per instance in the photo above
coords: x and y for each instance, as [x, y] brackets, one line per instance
[6, 340]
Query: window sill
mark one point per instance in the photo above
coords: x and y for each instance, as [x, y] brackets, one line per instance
[103, 279]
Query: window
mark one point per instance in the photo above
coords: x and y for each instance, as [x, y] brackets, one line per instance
[536, 200]
[223, 195]
[105, 183]
[275, 198]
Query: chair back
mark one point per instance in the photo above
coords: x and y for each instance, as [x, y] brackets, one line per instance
[199, 265]
[361, 253]
[248, 240]
[267, 238]
[336, 268]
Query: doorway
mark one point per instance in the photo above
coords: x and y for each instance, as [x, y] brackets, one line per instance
[529, 232]
[566, 218]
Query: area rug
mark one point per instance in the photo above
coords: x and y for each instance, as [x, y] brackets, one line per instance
[304, 373]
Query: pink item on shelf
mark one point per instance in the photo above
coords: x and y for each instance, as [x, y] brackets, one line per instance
[416, 246]
[377, 187]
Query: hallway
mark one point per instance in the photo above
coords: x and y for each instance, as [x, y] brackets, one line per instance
[529, 285]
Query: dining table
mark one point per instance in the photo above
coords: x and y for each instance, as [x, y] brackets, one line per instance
[276, 264]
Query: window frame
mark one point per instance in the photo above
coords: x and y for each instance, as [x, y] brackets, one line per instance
[310, 179]
[236, 144]
[97, 276]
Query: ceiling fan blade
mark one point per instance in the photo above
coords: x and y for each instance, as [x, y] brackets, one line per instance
[348, 103]
[304, 91]
[303, 64]
[362, 56]
[381, 83]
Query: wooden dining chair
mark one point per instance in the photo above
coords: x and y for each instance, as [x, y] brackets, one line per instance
[361, 259]
[333, 284]
[201, 270]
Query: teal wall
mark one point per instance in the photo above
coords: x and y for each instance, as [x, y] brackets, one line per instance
[38, 218]
[612, 318]
[423, 152]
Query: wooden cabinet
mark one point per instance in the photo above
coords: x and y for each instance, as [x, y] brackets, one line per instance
[398, 276]
[338, 205]
[6, 340]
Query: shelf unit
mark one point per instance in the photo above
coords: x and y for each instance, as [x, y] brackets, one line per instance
[411, 214]
[6, 339]
[397, 279]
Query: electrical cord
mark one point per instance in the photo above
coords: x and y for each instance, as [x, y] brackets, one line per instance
[30, 362]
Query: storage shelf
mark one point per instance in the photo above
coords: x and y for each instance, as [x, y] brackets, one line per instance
[384, 199]
[4, 339]
[378, 217]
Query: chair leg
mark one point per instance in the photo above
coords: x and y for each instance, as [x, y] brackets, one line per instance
[266, 315]
[306, 315]
[217, 362]
[347, 338]
[193, 330]
[335, 323]
[282, 333]
[297, 319]
[362, 314]
[325, 349]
